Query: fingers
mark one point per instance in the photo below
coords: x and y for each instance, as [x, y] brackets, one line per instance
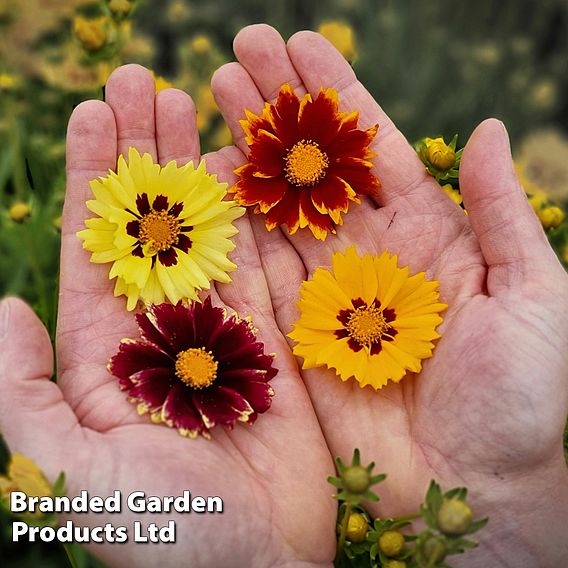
[176, 130]
[511, 238]
[34, 418]
[130, 92]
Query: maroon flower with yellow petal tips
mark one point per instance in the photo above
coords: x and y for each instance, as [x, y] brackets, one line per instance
[194, 368]
[307, 161]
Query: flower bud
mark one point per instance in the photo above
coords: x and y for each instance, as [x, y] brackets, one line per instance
[19, 212]
[395, 564]
[357, 527]
[439, 154]
[356, 479]
[551, 217]
[120, 7]
[391, 543]
[201, 44]
[433, 549]
[454, 517]
[91, 33]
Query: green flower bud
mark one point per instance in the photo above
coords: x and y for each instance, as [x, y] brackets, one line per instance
[391, 543]
[356, 479]
[357, 527]
[454, 517]
[433, 549]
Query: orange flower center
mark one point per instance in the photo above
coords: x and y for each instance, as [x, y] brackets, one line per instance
[367, 325]
[158, 230]
[306, 164]
[196, 367]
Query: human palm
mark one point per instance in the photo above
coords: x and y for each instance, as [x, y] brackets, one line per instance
[491, 403]
[272, 477]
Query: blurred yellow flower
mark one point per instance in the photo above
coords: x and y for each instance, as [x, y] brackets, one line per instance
[201, 44]
[544, 94]
[542, 164]
[120, 7]
[206, 107]
[551, 217]
[340, 34]
[8, 82]
[90, 32]
[161, 83]
[439, 154]
[24, 475]
[221, 136]
[19, 212]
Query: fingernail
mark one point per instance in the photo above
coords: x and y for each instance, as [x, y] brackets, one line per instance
[4, 318]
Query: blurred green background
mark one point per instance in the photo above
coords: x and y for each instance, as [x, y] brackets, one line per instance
[437, 68]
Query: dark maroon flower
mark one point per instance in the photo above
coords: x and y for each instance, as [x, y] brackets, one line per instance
[195, 367]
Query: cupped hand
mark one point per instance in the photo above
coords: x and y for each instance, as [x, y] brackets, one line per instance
[271, 477]
[488, 409]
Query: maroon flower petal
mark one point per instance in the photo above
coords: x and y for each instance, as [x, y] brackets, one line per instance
[221, 405]
[267, 192]
[143, 204]
[376, 348]
[184, 243]
[267, 154]
[319, 224]
[344, 315]
[152, 334]
[133, 228]
[179, 411]
[151, 387]
[319, 120]
[353, 345]
[286, 212]
[359, 303]
[168, 257]
[176, 209]
[257, 393]
[357, 174]
[160, 203]
[341, 333]
[137, 251]
[134, 356]
[352, 143]
[284, 116]
[176, 325]
[330, 194]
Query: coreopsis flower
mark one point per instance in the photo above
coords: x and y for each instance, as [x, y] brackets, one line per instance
[19, 212]
[166, 230]
[307, 161]
[357, 527]
[340, 35]
[160, 84]
[441, 160]
[92, 34]
[24, 475]
[367, 318]
[194, 368]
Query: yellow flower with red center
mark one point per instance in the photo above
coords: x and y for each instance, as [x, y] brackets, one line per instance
[367, 319]
[307, 161]
[165, 229]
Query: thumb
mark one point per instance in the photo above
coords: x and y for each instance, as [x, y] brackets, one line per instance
[35, 420]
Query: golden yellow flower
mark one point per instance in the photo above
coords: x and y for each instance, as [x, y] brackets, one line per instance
[8, 82]
[340, 34]
[206, 107]
[551, 217]
[439, 154]
[201, 44]
[160, 82]
[166, 230]
[452, 193]
[24, 475]
[120, 7]
[19, 212]
[391, 543]
[367, 319]
[91, 33]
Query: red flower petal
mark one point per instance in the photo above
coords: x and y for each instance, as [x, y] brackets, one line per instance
[330, 195]
[176, 209]
[319, 120]
[284, 116]
[286, 212]
[253, 123]
[319, 224]
[257, 393]
[150, 333]
[174, 324]
[134, 356]
[267, 154]
[221, 405]
[266, 192]
[357, 174]
[353, 143]
[180, 412]
[133, 228]
[151, 387]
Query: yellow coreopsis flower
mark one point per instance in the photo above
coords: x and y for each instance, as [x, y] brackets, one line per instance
[201, 44]
[166, 230]
[367, 319]
[24, 475]
[91, 33]
[452, 193]
[340, 34]
[439, 154]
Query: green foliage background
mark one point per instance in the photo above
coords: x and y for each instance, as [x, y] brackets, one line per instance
[436, 67]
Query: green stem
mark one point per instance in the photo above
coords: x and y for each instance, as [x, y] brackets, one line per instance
[343, 531]
[409, 518]
[37, 275]
[70, 555]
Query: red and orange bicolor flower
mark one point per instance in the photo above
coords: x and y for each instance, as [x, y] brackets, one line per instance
[307, 161]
